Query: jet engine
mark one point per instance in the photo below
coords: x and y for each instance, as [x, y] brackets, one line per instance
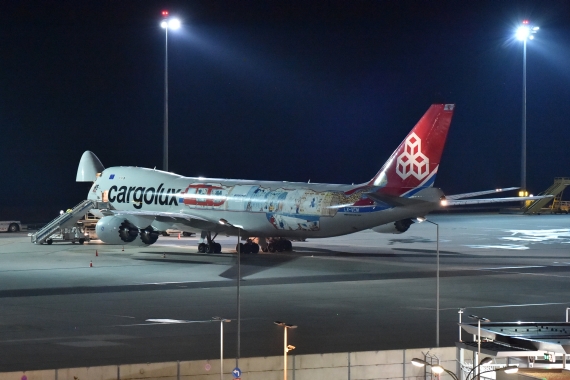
[117, 230]
[397, 227]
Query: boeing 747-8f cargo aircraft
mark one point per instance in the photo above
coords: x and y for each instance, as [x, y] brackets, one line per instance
[142, 203]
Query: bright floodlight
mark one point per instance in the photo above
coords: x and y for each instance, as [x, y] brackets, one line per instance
[174, 23]
[437, 369]
[164, 25]
[523, 32]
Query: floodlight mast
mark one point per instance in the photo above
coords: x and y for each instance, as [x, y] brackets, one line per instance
[173, 24]
[523, 33]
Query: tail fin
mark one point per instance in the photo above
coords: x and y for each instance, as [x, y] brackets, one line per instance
[413, 166]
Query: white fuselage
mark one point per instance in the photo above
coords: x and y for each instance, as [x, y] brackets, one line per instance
[262, 208]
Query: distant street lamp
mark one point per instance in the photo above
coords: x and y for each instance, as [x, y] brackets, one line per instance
[221, 320]
[286, 347]
[524, 32]
[479, 320]
[173, 24]
[422, 219]
[226, 223]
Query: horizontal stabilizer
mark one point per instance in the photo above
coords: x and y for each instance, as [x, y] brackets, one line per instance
[392, 200]
[461, 202]
[478, 193]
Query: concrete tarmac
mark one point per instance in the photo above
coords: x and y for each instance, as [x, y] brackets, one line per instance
[365, 291]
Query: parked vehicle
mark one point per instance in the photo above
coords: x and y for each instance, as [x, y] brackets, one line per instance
[10, 226]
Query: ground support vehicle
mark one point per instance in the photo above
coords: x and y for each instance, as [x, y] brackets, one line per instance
[72, 234]
[10, 226]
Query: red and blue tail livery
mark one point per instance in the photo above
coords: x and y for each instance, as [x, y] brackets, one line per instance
[413, 166]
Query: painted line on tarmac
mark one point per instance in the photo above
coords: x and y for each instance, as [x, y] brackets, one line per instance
[524, 267]
[503, 306]
[527, 273]
[165, 283]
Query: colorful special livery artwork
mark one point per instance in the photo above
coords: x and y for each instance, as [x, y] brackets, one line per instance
[137, 204]
[291, 209]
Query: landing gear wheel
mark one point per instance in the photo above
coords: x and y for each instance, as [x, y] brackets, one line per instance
[210, 248]
[13, 228]
[217, 247]
[240, 248]
[254, 248]
[49, 241]
[288, 245]
[264, 249]
[271, 247]
[81, 241]
[202, 248]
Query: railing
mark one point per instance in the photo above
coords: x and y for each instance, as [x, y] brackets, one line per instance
[44, 233]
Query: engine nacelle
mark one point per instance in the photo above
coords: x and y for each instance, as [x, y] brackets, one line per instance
[397, 227]
[117, 230]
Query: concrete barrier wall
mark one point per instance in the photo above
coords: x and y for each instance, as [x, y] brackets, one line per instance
[369, 365]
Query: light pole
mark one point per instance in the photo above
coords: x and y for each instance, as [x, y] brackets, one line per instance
[173, 24]
[421, 219]
[479, 320]
[524, 32]
[226, 223]
[221, 320]
[286, 348]
[163, 321]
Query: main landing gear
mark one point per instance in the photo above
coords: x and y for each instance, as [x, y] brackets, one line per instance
[209, 246]
[248, 247]
[278, 245]
[269, 245]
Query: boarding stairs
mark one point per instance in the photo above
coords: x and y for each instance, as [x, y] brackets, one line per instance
[65, 220]
[556, 190]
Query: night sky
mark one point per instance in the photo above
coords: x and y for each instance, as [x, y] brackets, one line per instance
[275, 90]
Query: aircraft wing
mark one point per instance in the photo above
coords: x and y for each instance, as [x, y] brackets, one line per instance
[460, 202]
[154, 214]
[193, 221]
[478, 193]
